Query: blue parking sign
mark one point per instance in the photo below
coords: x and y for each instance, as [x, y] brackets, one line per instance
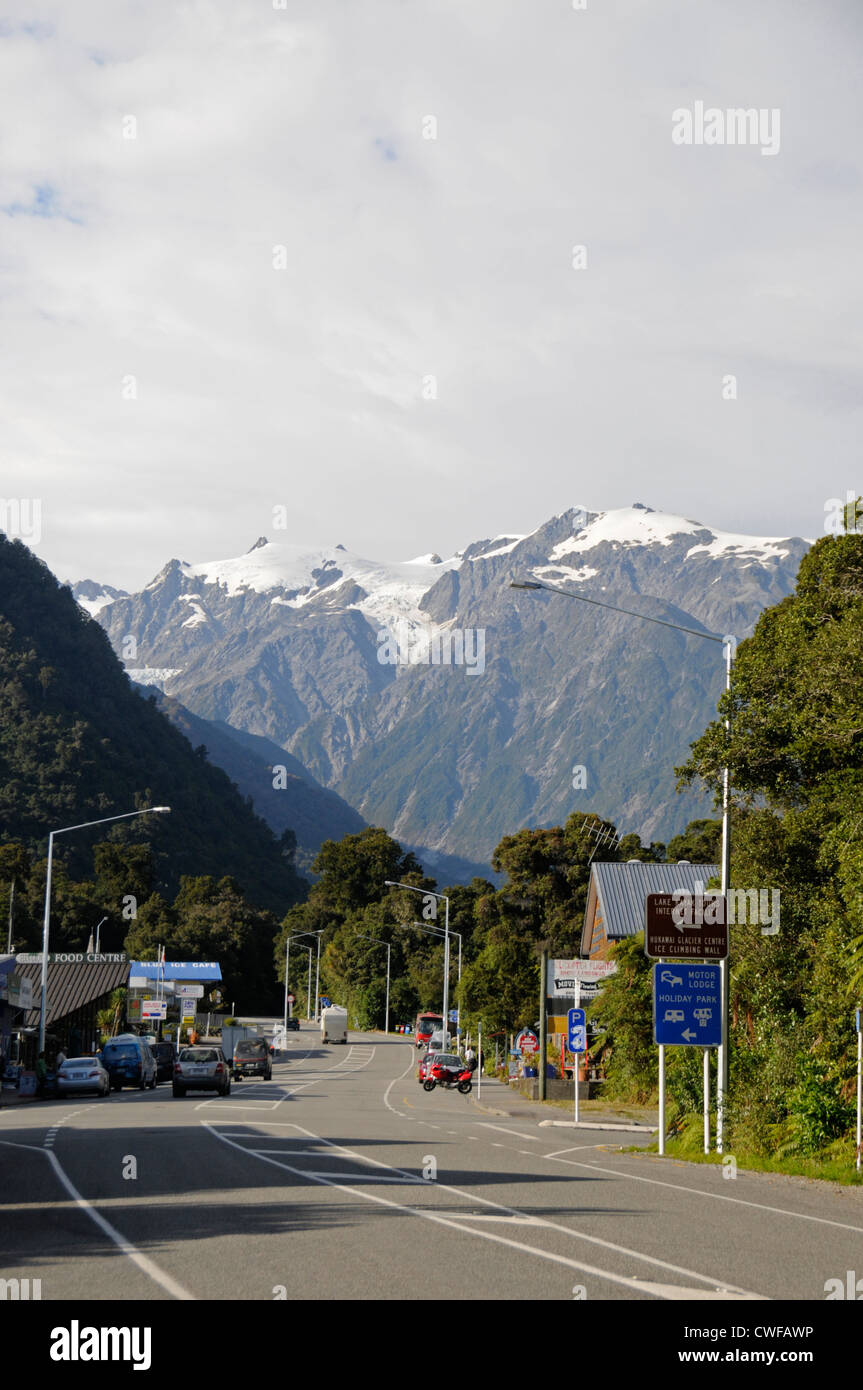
[577, 1030]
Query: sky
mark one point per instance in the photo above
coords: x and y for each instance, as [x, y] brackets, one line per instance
[309, 272]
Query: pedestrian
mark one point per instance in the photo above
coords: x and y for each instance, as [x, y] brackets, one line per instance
[61, 1057]
[470, 1058]
[41, 1072]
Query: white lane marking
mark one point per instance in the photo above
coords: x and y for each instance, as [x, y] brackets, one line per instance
[361, 1177]
[503, 1129]
[392, 1083]
[573, 1148]
[699, 1192]
[144, 1263]
[424, 1214]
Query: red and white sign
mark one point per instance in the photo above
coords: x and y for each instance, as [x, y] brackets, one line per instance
[292, 999]
[527, 1041]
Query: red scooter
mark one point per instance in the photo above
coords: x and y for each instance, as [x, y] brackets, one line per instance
[449, 1076]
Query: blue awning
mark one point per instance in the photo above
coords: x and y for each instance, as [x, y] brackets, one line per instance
[176, 969]
[7, 963]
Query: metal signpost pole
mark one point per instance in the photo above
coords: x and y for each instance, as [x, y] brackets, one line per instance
[707, 1100]
[661, 1091]
[859, 1082]
[729, 643]
[479, 1065]
[575, 1054]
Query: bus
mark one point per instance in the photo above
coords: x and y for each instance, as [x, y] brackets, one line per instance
[427, 1024]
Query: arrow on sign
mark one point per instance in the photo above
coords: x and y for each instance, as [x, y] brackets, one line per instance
[688, 1035]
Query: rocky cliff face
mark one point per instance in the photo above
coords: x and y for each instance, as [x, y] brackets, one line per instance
[443, 704]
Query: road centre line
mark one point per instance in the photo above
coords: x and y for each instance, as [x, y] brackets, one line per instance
[473, 1199]
[700, 1192]
[144, 1263]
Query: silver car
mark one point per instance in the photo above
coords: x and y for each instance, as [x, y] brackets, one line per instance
[202, 1069]
[80, 1074]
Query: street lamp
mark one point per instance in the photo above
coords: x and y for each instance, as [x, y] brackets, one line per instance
[728, 644]
[387, 944]
[318, 934]
[436, 931]
[442, 897]
[64, 830]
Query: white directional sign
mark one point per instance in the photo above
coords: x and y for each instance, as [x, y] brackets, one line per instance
[191, 991]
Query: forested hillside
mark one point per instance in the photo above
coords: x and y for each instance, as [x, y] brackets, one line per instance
[78, 743]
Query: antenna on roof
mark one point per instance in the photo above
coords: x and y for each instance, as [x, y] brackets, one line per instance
[605, 836]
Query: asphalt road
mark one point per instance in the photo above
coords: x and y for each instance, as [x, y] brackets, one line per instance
[342, 1178]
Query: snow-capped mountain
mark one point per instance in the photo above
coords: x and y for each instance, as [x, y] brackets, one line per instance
[93, 597]
[443, 704]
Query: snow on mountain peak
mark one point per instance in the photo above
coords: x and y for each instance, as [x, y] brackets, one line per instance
[639, 525]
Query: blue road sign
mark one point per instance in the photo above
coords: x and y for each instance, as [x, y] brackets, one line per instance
[325, 1003]
[453, 1015]
[687, 1008]
[577, 1030]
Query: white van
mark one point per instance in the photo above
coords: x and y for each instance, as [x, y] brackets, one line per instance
[334, 1024]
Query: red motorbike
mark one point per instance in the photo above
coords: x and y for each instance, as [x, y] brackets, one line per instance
[451, 1075]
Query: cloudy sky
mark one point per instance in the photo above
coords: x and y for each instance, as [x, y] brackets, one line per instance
[320, 258]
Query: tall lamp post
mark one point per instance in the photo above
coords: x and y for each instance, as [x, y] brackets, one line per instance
[436, 931]
[318, 934]
[441, 897]
[46, 927]
[387, 944]
[729, 645]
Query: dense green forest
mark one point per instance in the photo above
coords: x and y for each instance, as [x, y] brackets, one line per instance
[78, 743]
[541, 902]
[795, 752]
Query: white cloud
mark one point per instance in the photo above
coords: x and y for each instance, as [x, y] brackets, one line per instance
[409, 258]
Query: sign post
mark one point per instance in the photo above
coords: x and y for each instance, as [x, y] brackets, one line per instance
[479, 1063]
[685, 926]
[577, 1029]
[687, 1012]
[859, 1082]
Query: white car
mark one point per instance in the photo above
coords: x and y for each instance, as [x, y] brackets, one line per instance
[79, 1074]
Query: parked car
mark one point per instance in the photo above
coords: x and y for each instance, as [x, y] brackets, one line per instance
[80, 1074]
[293, 1025]
[424, 1064]
[165, 1054]
[201, 1069]
[252, 1058]
[129, 1062]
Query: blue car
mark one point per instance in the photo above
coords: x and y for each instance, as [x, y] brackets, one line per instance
[129, 1062]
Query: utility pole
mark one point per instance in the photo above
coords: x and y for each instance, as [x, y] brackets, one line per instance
[543, 974]
[11, 906]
